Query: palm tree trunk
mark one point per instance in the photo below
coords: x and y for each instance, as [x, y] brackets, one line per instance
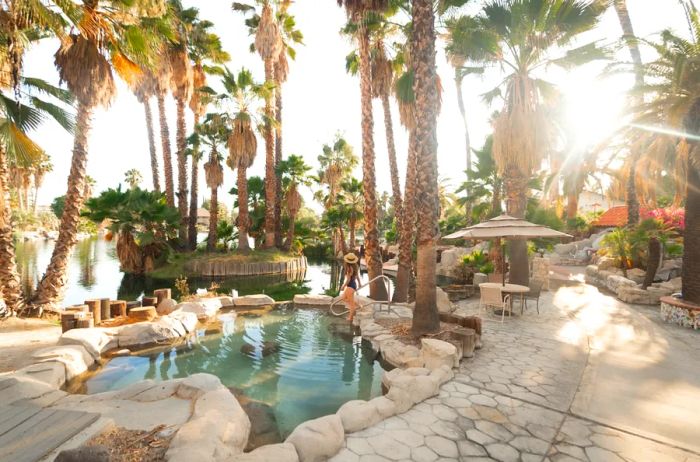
[654, 253]
[353, 243]
[393, 168]
[152, 145]
[691, 235]
[278, 159]
[631, 42]
[9, 276]
[181, 140]
[516, 202]
[51, 287]
[343, 244]
[407, 226]
[467, 142]
[425, 315]
[243, 218]
[167, 154]
[496, 198]
[213, 219]
[270, 174]
[571, 206]
[291, 229]
[194, 202]
[377, 290]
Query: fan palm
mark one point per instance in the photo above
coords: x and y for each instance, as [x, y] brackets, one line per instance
[213, 132]
[144, 89]
[351, 202]
[17, 117]
[133, 178]
[358, 12]
[85, 60]
[523, 36]
[294, 173]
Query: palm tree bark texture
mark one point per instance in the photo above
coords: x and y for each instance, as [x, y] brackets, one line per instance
[270, 175]
[152, 145]
[194, 196]
[407, 226]
[52, 285]
[373, 259]
[167, 154]
[425, 316]
[516, 201]
[9, 277]
[691, 236]
[391, 147]
[278, 159]
[182, 170]
[213, 213]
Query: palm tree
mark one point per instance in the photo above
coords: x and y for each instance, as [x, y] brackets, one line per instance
[213, 132]
[17, 118]
[674, 102]
[425, 315]
[483, 185]
[144, 89]
[522, 36]
[133, 178]
[162, 87]
[294, 172]
[631, 43]
[351, 202]
[358, 11]
[243, 91]
[83, 64]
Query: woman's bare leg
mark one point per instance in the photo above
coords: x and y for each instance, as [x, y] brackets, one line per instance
[349, 296]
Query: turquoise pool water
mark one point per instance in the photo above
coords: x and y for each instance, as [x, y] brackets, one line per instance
[303, 363]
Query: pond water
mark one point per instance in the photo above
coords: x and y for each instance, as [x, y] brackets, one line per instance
[302, 363]
[93, 272]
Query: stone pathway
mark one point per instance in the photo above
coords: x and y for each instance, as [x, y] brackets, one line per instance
[533, 392]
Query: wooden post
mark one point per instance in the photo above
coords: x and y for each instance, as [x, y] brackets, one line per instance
[78, 308]
[68, 321]
[104, 308]
[149, 301]
[468, 337]
[132, 305]
[117, 308]
[85, 323]
[96, 310]
[162, 294]
[143, 313]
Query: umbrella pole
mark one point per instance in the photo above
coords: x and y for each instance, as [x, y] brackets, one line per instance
[503, 263]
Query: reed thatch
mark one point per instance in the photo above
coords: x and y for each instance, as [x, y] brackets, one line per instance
[242, 143]
[144, 87]
[268, 40]
[213, 173]
[164, 72]
[129, 253]
[521, 130]
[357, 7]
[86, 71]
[7, 69]
[181, 77]
[199, 79]
[282, 67]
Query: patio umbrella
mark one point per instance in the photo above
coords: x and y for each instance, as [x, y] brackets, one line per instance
[505, 226]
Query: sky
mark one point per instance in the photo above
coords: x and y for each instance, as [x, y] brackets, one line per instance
[321, 100]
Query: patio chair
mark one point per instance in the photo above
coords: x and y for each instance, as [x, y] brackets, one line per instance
[493, 297]
[534, 294]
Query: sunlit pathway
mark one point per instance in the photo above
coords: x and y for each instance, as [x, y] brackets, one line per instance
[589, 379]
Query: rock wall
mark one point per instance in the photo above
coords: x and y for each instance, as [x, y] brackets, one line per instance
[225, 267]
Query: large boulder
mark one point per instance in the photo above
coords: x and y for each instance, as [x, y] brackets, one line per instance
[188, 320]
[203, 310]
[166, 306]
[52, 373]
[565, 250]
[144, 333]
[358, 414]
[217, 430]
[283, 452]
[451, 258]
[319, 439]
[437, 353]
[636, 274]
[75, 358]
[312, 300]
[674, 285]
[614, 282]
[95, 340]
[639, 296]
[444, 304]
[253, 300]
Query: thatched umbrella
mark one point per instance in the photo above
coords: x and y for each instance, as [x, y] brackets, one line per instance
[506, 227]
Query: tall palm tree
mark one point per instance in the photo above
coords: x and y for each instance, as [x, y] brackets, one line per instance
[357, 11]
[17, 117]
[522, 36]
[674, 102]
[631, 43]
[85, 61]
[351, 202]
[144, 89]
[198, 109]
[242, 143]
[294, 173]
[213, 132]
[133, 178]
[425, 316]
[162, 87]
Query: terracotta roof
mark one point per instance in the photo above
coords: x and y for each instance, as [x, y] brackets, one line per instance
[613, 217]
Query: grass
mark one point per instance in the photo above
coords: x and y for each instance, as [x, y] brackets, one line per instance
[176, 265]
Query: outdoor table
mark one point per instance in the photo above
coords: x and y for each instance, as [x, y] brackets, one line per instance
[514, 289]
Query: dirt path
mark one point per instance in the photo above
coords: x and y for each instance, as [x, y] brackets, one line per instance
[19, 338]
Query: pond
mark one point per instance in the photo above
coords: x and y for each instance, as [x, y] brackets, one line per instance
[93, 272]
[298, 363]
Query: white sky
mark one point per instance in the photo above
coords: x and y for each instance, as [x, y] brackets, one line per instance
[320, 100]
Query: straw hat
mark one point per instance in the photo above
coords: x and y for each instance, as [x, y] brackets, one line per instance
[350, 258]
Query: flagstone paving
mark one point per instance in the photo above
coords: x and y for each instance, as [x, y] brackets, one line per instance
[526, 395]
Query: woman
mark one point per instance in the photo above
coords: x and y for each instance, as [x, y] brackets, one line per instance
[352, 282]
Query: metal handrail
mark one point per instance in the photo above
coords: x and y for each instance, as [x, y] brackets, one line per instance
[387, 281]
